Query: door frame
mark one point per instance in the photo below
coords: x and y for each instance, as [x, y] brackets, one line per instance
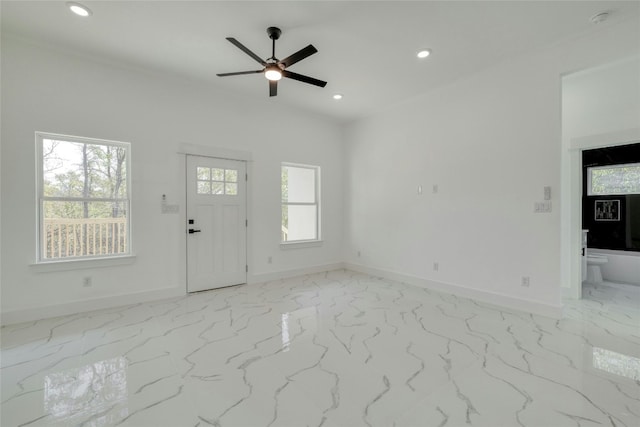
[572, 199]
[187, 149]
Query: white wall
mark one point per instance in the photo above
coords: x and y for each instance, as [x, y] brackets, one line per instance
[601, 100]
[54, 91]
[490, 143]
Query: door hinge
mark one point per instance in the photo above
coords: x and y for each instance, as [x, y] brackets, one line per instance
[246, 268]
[246, 222]
[246, 177]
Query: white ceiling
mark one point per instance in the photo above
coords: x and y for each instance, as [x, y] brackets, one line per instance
[366, 49]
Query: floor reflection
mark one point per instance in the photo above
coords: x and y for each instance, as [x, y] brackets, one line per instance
[88, 392]
[294, 320]
[285, 332]
[616, 363]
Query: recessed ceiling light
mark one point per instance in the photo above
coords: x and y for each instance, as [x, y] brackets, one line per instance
[424, 53]
[337, 96]
[79, 9]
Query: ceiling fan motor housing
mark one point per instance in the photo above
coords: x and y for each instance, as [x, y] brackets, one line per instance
[274, 33]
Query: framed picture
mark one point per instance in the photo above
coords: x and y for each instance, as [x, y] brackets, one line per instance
[607, 210]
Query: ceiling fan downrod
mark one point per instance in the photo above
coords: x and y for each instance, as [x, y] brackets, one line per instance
[274, 34]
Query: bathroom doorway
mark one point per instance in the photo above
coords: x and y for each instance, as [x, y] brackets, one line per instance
[611, 219]
[600, 107]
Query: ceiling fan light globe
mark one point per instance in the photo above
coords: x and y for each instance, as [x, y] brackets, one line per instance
[273, 75]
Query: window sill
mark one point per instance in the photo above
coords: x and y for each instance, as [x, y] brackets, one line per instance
[301, 244]
[80, 264]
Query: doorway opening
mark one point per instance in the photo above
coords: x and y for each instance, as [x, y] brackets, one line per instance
[611, 223]
[600, 107]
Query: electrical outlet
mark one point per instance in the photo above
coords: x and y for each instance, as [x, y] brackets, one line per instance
[87, 281]
[525, 281]
[436, 266]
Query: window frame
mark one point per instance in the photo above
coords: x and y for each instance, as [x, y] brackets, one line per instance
[614, 166]
[316, 203]
[41, 198]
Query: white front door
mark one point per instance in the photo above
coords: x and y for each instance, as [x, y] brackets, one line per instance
[216, 223]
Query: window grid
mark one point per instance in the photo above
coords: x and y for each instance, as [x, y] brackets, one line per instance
[216, 181]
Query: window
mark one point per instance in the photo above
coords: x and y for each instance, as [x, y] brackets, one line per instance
[217, 181]
[84, 198]
[614, 179]
[300, 203]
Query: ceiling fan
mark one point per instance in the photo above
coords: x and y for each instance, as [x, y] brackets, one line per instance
[274, 68]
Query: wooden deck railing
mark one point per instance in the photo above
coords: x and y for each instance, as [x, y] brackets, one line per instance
[84, 237]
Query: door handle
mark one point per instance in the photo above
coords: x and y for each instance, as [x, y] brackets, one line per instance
[582, 251]
[191, 231]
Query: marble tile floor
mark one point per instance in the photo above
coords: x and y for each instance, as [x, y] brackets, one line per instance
[333, 349]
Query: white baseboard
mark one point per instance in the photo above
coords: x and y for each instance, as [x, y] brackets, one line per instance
[37, 313]
[487, 297]
[45, 312]
[285, 274]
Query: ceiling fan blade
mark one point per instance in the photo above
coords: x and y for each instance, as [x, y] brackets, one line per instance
[304, 79]
[273, 87]
[239, 73]
[246, 50]
[299, 56]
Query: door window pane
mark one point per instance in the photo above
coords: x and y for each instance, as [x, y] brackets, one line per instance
[217, 188]
[217, 174]
[204, 187]
[204, 174]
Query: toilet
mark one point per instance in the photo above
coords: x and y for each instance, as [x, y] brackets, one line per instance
[594, 273]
